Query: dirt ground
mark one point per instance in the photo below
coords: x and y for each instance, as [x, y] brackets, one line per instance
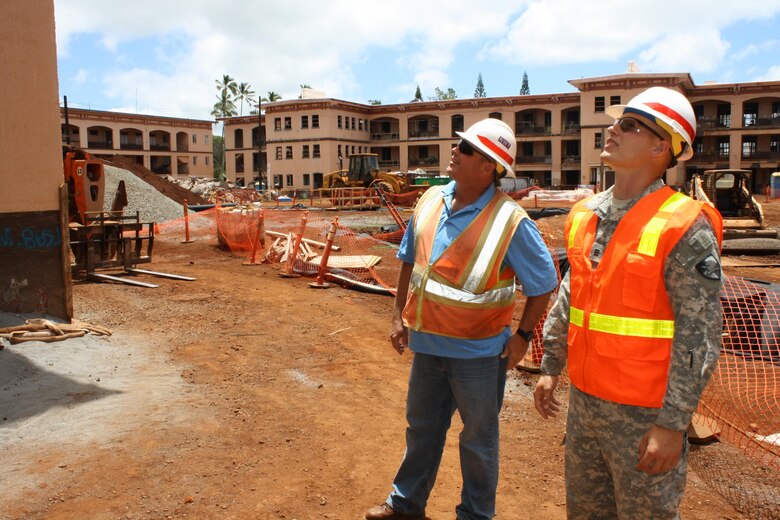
[243, 395]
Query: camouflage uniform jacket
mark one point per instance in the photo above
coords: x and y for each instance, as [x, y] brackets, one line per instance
[693, 280]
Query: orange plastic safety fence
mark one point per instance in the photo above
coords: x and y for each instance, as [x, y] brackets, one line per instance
[741, 400]
[406, 200]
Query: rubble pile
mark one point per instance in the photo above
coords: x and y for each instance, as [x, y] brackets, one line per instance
[151, 204]
[204, 187]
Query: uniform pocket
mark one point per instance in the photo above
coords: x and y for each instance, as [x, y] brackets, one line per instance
[640, 283]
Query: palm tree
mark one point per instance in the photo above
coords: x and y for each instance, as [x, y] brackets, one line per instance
[243, 91]
[272, 96]
[227, 84]
[224, 107]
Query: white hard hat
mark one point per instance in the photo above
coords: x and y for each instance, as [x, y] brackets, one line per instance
[495, 139]
[670, 110]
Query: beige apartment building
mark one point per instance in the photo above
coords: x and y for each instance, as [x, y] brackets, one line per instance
[164, 145]
[559, 136]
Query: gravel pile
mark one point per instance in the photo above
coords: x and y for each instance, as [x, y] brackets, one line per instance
[152, 205]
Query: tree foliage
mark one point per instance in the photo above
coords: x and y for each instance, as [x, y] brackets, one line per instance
[479, 92]
[243, 92]
[218, 149]
[418, 94]
[441, 95]
[272, 96]
[374, 102]
[224, 107]
[524, 90]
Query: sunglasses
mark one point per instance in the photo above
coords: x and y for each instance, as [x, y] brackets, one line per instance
[629, 124]
[466, 148]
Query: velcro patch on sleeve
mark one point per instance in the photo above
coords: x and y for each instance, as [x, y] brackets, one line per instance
[709, 268]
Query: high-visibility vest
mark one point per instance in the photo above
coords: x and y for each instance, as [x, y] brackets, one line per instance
[621, 322]
[465, 293]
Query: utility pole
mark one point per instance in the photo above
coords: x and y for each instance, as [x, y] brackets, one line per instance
[260, 142]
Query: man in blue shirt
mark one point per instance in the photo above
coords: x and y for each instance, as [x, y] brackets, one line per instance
[461, 253]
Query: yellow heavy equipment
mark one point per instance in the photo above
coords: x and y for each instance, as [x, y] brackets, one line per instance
[744, 229]
[363, 172]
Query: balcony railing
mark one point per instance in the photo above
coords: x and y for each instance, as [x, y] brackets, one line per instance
[389, 165]
[571, 129]
[532, 130]
[424, 161]
[417, 134]
[129, 146]
[710, 157]
[390, 136]
[570, 159]
[712, 122]
[534, 159]
[100, 145]
[761, 156]
[160, 147]
[750, 120]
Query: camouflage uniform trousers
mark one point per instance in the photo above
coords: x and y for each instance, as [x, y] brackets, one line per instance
[602, 451]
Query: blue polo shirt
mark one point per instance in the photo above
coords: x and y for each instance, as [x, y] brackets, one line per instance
[527, 255]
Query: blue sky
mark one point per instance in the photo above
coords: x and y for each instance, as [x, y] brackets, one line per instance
[163, 56]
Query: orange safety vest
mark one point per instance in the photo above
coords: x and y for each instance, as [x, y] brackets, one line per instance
[621, 322]
[465, 293]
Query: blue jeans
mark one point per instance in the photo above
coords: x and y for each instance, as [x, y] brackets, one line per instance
[437, 387]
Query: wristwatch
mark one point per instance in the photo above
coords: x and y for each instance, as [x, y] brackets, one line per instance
[525, 334]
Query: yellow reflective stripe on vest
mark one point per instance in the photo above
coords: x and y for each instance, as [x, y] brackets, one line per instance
[621, 326]
[482, 265]
[575, 224]
[421, 280]
[639, 327]
[651, 234]
[426, 210]
[576, 316]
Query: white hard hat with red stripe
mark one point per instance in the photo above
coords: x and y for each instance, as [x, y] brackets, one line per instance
[670, 110]
[495, 139]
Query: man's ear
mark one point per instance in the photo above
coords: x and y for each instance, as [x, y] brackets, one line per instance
[662, 148]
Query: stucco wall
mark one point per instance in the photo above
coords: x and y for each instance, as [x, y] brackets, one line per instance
[33, 278]
[31, 166]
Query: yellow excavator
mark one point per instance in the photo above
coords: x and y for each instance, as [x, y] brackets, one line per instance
[363, 172]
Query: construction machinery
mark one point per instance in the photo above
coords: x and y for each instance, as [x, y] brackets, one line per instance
[363, 172]
[104, 239]
[744, 230]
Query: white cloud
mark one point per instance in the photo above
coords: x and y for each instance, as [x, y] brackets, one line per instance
[554, 32]
[276, 46]
[692, 51]
[773, 74]
[81, 77]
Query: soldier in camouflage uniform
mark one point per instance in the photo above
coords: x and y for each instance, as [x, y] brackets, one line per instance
[625, 460]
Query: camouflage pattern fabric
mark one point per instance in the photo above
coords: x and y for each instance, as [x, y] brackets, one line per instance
[601, 457]
[693, 281]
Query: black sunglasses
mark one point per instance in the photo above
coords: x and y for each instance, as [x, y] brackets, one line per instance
[629, 124]
[466, 148]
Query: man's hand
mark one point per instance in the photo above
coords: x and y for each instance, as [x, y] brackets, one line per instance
[544, 399]
[399, 334]
[659, 450]
[514, 349]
